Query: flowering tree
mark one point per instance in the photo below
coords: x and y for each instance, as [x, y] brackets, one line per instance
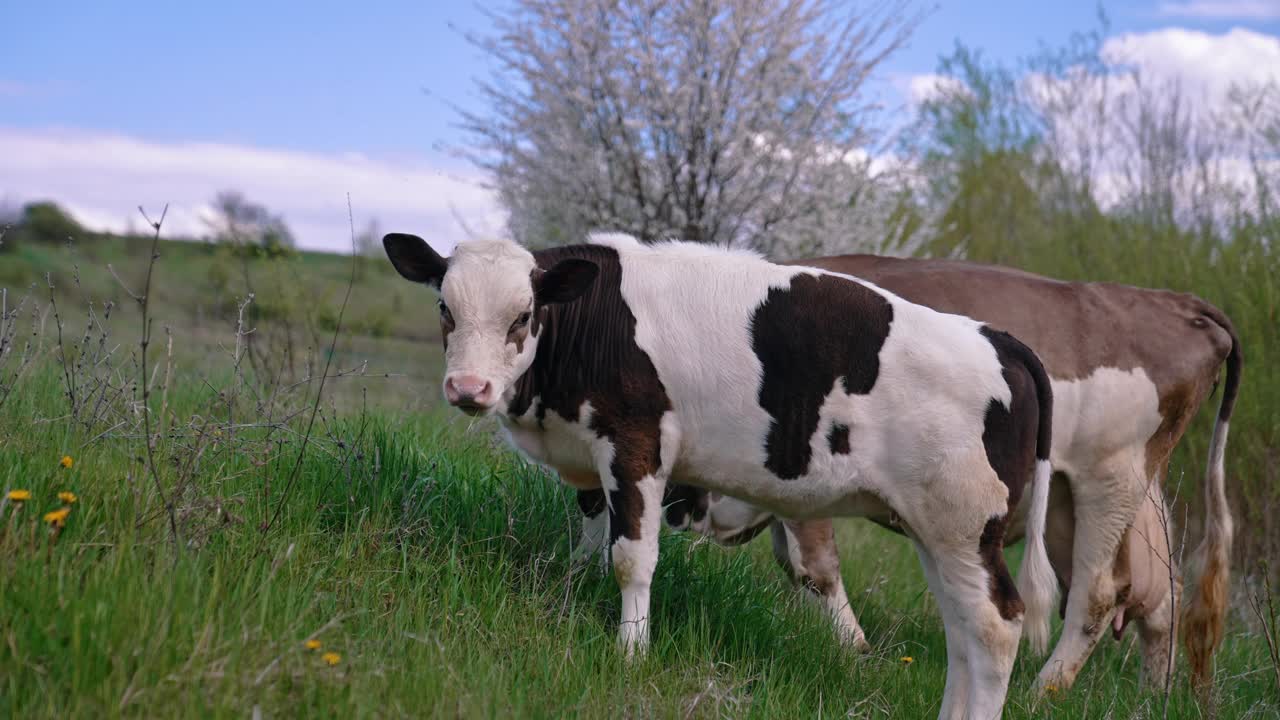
[739, 122]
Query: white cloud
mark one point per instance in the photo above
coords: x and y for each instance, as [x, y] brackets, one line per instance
[922, 88]
[1222, 9]
[1203, 62]
[102, 179]
[1205, 65]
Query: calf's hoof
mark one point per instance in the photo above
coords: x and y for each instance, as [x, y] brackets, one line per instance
[857, 643]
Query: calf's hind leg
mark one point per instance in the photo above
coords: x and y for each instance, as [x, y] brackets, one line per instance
[807, 552]
[985, 618]
[955, 694]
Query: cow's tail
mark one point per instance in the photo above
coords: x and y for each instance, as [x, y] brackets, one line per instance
[1037, 583]
[1203, 618]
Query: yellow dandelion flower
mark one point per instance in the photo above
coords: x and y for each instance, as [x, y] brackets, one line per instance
[907, 659]
[19, 495]
[312, 644]
[67, 497]
[66, 461]
[331, 658]
[1051, 689]
[57, 518]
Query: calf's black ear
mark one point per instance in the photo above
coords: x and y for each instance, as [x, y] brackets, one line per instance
[414, 259]
[565, 281]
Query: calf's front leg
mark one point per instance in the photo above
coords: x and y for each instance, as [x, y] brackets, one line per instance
[633, 482]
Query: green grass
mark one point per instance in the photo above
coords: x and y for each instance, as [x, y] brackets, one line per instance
[436, 566]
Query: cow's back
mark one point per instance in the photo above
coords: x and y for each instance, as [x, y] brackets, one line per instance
[1074, 327]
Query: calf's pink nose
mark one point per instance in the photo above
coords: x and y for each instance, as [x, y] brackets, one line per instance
[468, 390]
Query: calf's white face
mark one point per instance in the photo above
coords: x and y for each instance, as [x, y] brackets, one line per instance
[486, 305]
[490, 292]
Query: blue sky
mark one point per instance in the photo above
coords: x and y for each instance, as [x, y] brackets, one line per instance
[370, 84]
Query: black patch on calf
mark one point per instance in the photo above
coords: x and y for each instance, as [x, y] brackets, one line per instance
[1004, 593]
[1015, 357]
[820, 328]
[838, 439]
[684, 505]
[587, 352]
[1012, 436]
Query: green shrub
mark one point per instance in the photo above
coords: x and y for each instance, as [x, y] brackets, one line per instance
[45, 222]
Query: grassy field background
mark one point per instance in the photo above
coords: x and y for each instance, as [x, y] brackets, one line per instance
[404, 538]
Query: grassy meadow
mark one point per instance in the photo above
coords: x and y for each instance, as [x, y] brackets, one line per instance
[430, 559]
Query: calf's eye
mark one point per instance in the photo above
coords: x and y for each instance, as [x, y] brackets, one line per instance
[521, 320]
[444, 312]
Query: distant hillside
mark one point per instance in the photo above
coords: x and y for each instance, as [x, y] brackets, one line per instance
[198, 289]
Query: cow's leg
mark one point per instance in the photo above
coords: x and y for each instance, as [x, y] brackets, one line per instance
[955, 694]
[1059, 533]
[987, 617]
[1157, 629]
[1104, 508]
[1157, 585]
[595, 527]
[634, 481]
[807, 553]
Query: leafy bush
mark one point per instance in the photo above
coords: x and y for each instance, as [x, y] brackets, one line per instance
[40, 222]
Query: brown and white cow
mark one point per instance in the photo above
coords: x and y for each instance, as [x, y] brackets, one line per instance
[1130, 368]
[811, 394]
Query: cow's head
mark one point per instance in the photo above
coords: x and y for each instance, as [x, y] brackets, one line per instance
[490, 295]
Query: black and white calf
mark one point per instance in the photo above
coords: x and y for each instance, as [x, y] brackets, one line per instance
[808, 393]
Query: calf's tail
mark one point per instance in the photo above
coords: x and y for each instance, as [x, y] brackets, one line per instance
[1202, 620]
[1037, 583]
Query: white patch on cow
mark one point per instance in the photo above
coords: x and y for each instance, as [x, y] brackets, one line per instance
[669, 442]
[487, 286]
[555, 442]
[1111, 411]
